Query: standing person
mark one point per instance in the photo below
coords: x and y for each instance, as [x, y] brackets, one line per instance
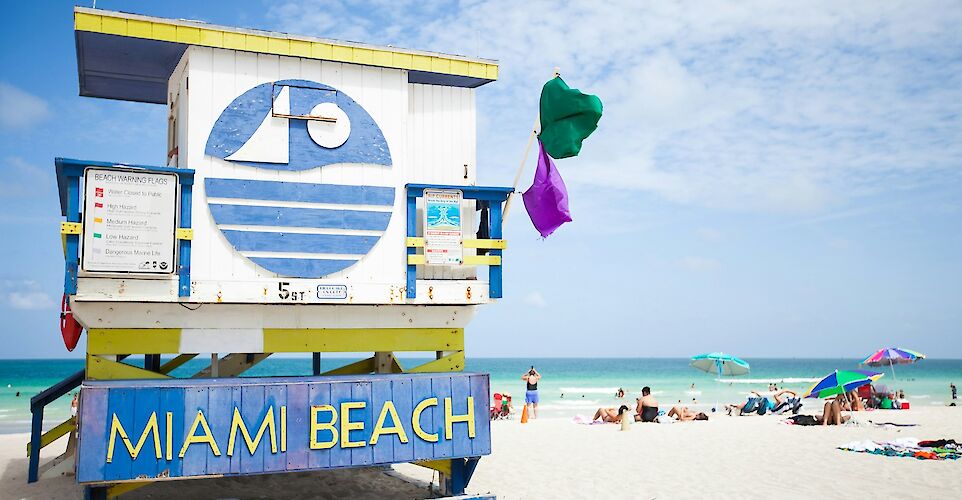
[531, 394]
[73, 405]
[955, 395]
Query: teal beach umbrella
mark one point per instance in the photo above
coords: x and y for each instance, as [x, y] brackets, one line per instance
[720, 363]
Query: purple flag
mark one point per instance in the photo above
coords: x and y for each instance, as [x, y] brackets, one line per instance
[547, 199]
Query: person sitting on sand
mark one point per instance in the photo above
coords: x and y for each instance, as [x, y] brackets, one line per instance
[647, 407]
[611, 415]
[832, 412]
[683, 414]
[855, 402]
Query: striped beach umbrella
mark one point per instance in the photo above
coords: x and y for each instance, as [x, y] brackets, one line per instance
[893, 356]
[840, 382]
[720, 363]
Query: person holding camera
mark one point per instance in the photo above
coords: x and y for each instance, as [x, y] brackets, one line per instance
[531, 394]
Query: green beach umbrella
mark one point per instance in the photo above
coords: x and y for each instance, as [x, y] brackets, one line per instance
[839, 382]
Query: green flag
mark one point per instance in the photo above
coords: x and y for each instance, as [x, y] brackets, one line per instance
[567, 118]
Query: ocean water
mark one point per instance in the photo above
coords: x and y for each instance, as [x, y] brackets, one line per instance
[569, 386]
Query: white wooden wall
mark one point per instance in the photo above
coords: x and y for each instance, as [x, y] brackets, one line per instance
[430, 130]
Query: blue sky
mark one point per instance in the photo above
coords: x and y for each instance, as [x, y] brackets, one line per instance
[770, 180]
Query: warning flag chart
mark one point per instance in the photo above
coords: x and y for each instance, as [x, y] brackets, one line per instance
[129, 222]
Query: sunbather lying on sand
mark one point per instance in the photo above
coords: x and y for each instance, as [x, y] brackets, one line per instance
[758, 404]
[683, 414]
[611, 415]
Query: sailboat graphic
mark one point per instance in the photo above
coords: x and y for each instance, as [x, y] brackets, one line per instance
[298, 229]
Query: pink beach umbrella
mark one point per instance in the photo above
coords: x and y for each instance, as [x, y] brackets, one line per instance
[893, 356]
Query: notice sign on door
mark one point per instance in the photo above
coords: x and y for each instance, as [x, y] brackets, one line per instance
[129, 221]
[442, 227]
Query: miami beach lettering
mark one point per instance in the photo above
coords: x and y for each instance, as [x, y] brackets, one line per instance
[329, 426]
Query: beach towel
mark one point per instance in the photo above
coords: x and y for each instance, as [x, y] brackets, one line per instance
[585, 420]
[902, 447]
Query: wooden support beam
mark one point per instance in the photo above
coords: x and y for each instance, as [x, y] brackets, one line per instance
[383, 362]
[56, 433]
[233, 364]
[453, 362]
[356, 368]
[115, 490]
[168, 340]
[176, 363]
[442, 466]
[363, 339]
[99, 368]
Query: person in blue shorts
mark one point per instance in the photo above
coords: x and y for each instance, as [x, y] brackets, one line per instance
[531, 394]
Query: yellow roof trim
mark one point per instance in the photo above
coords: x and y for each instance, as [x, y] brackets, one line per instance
[269, 42]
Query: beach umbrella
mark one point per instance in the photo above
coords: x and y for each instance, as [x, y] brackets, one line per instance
[839, 382]
[721, 364]
[892, 356]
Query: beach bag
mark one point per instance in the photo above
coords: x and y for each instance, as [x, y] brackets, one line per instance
[803, 420]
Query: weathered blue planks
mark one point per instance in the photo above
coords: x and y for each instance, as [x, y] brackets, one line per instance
[299, 191]
[261, 241]
[299, 217]
[303, 268]
[203, 422]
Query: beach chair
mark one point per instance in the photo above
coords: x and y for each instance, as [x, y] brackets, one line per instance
[498, 406]
[793, 405]
[502, 406]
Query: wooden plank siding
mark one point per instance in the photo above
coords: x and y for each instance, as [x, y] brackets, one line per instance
[357, 399]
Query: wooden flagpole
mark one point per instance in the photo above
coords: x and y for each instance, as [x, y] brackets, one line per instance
[524, 158]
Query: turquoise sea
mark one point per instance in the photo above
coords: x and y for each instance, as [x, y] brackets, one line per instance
[570, 385]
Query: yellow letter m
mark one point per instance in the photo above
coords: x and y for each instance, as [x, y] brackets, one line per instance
[237, 422]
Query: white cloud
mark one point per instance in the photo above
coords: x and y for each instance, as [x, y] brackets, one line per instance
[740, 105]
[698, 264]
[25, 294]
[20, 178]
[535, 299]
[20, 109]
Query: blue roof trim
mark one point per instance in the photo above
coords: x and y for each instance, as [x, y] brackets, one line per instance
[138, 69]
[125, 68]
[428, 78]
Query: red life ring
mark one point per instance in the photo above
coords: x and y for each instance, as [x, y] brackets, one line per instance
[69, 327]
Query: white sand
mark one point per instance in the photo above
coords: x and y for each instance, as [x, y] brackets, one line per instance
[726, 457]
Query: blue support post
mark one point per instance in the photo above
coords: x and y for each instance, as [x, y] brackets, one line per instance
[412, 231]
[495, 272]
[72, 259]
[316, 363]
[183, 268]
[95, 493]
[36, 430]
[461, 471]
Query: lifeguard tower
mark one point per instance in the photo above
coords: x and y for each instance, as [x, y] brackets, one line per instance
[317, 196]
